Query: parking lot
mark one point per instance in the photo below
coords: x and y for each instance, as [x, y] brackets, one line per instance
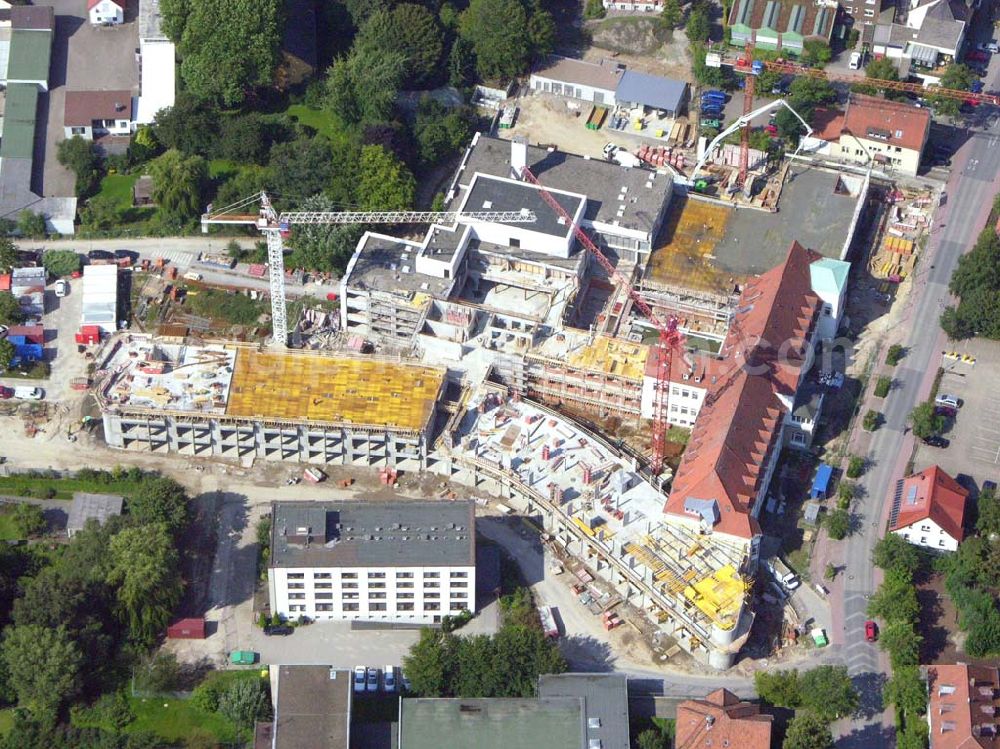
[974, 453]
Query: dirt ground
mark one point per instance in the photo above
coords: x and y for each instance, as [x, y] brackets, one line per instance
[943, 640]
[636, 42]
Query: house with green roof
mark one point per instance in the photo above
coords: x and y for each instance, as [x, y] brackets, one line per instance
[781, 24]
[828, 278]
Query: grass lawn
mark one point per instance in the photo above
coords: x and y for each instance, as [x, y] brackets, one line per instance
[6, 721]
[118, 187]
[317, 119]
[8, 532]
[27, 486]
[178, 720]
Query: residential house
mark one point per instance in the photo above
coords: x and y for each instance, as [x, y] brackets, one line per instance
[106, 12]
[96, 507]
[780, 24]
[722, 720]
[733, 450]
[962, 706]
[636, 6]
[887, 135]
[386, 561]
[928, 510]
[576, 79]
[923, 37]
[312, 708]
[95, 114]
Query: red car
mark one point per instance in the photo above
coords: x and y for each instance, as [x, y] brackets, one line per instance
[978, 56]
[871, 631]
[6, 393]
[771, 129]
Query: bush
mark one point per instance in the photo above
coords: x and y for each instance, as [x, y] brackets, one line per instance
[61, 262]
[871, 420]
[594, 9]
[926, 421]
[830, 572]
[845, 495]
[894, 355]
[206, 695]
[838, 524]
[883, 386]
[855, 467]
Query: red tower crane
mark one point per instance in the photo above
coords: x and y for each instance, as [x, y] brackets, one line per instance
[670, 337]
[749, 84]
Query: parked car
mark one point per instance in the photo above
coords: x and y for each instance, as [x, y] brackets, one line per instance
[947, 400]
[360, 676]
[389, 680]
[711, 123]
[711, 112]
[978, 56]
[936, 440]
[871, 631]
[371, 685]
[771, 129]
[100, 255]
[62, 288]
[281, 630]
[993, 47]
[855, 62]
[126, 255]
[989, 486]
[6, 393]
[404, 681]
[29, 393]
[977, 87]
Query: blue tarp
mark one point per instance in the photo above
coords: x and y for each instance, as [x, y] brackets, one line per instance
[25, 352]
[822, 480]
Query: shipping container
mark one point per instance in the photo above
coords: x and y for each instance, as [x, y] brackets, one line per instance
[187, 629]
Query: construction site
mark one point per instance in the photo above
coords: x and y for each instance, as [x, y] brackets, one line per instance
[235, 401]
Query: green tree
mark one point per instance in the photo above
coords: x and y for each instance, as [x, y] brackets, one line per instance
[705, 75]
[60, 262]
[384, 184]
[671, 15]
[249, 180]
[80, 157]
[594, 9]
[699, 22]
[779, 688]
[8, 254]
[160, 500]
[895, 599]
[893, 552]
[300, 169]
[427, 664]
[7, 354]
[652, 738]
[988, 507]
[440, 132]
[245, 702]
[828, 692]
[925, 420]
[807, 731]
[29, 519]
[43, 666]
[882, 69]
[897, 352]
[913, 735]
[102, 212]
[816, 53]
[190, 125]
[175, 14]
[978, 268]
[410, 30]
[179, 186]
[498, 33]
[31, 224]
[229, 47]
[10, 310]
[541, 32]
[901, 642]
[906, 690]
[244, 139]
[144, 568]
[838, 523]
[956, 325]
[955, 76]
[461, 63]
[806, 90]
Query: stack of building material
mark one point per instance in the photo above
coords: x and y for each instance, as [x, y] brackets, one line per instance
[895, 259]
[100, 297]
[28, 286]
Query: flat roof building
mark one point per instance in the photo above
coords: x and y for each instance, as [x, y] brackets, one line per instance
[605, 704]
[312, 708]
[375, 561]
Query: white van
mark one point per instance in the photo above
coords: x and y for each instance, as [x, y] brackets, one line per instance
[29, 393]
[946, 401]
[855, 62]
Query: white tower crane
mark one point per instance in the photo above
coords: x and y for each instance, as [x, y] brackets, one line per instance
[276, 226]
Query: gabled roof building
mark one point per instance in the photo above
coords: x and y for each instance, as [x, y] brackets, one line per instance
[963, 703]
[928, 510]
[722, 720]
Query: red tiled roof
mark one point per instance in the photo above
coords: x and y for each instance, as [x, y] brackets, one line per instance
[719, 720]
[83, 107]
[92, 3]
[739, 422]
[5, 282]
[963, 705]
[871, 118]
[937, 496]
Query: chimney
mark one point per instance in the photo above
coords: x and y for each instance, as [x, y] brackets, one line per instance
[518, 155]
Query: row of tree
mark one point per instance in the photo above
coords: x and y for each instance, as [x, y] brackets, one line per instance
[976, 282]
[818, 696]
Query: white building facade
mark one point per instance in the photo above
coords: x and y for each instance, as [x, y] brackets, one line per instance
[398, 561]
[106, 12]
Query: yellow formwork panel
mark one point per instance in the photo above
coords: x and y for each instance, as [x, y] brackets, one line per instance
[719, 596]
[692, 229]
[271, 385]
[611, 356]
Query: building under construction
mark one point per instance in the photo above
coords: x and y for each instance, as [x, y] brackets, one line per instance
[239, 402]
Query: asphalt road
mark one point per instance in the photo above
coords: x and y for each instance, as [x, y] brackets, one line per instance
[970, 192]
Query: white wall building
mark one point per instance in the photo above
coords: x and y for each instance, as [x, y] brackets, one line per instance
[94, 114]
[100, 297]
[106, 12]
[386, 561]
[928, 510]
[576, 79]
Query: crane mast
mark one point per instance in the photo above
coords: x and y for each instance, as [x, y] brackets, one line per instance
[276, 227]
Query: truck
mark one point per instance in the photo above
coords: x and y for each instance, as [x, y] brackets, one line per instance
[313, 475]
[621, 156]
[782, 574]
[547, 616]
